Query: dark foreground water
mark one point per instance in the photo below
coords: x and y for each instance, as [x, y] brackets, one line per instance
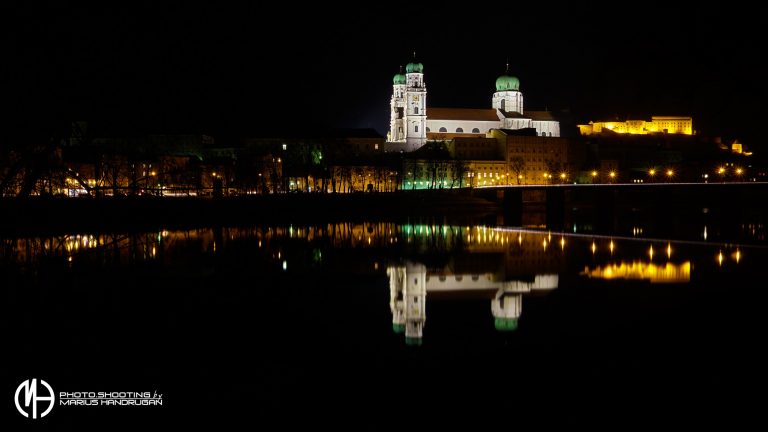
[379, 325]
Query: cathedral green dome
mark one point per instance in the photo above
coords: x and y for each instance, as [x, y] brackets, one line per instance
[398, 328]
[398, 79]
[507, 83]
[414, 67]
[505, 324]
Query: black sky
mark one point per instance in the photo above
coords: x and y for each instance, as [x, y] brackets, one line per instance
[251, 68]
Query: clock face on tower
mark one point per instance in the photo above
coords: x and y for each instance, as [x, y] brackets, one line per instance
[415, 98]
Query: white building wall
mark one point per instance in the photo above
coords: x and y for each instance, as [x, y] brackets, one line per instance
[546, 128]
[467, 125]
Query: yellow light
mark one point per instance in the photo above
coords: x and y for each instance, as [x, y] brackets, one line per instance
[720, 258]
[594, 248]
[520, 239]
[669, 250]
[612, 174]
[610, 246]
[670, 173]
[739, 171]
[721, 170]
[562, 243]
[650, 252]
[153, 173]
[652, 172]
[594, 173]
[562, 176]
[544, 244]
[738, 256]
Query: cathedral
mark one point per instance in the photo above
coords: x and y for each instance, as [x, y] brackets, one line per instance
[412, 125]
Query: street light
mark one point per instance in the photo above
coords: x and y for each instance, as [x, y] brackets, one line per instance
[670, 173]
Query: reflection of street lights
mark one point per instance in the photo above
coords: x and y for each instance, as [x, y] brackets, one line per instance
[594, 176]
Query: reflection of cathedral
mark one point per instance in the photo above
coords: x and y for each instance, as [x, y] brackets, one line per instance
[412, 124]
[410, 283]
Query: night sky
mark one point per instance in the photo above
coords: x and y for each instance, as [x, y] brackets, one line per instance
[252, 70]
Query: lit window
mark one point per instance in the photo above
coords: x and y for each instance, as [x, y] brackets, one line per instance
[285, 146]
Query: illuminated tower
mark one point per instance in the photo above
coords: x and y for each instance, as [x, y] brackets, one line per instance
[415, 105]
[397, 126]
[508, 97]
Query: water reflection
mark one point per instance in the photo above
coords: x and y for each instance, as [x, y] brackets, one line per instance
[421, 261]
[410, 283]
[668, 273]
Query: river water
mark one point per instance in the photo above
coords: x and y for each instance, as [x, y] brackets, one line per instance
[391, 323]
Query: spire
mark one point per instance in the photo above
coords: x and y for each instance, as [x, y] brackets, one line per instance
[507, 72]
[401, 69]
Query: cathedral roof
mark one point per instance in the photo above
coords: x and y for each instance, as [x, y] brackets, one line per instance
[540, 115]
[398, 79]
[471, 114]
[533, 115]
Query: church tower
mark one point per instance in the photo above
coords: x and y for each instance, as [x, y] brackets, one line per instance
[415, 105]
[397, 127]
[508, 97]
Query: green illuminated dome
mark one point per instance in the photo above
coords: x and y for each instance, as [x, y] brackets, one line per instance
[414, 67]
[398, 328]
[398, 79]
[507, 83]
[506, 324]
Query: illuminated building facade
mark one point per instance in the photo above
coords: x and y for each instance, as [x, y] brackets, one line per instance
[658, 124]
[411, 125]
[408, 120]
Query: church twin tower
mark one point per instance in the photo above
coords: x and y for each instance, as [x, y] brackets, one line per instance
[409, 107]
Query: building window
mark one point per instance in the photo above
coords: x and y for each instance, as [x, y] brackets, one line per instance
[475, 130]
[459, 130]
[415, 110]
[427, 129]
[503, 105]
[376, 146]
[416, 128]
[442, 129]
[285, 146]
[399, 130]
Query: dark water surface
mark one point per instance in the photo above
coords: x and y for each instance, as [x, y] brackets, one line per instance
[396, 324]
